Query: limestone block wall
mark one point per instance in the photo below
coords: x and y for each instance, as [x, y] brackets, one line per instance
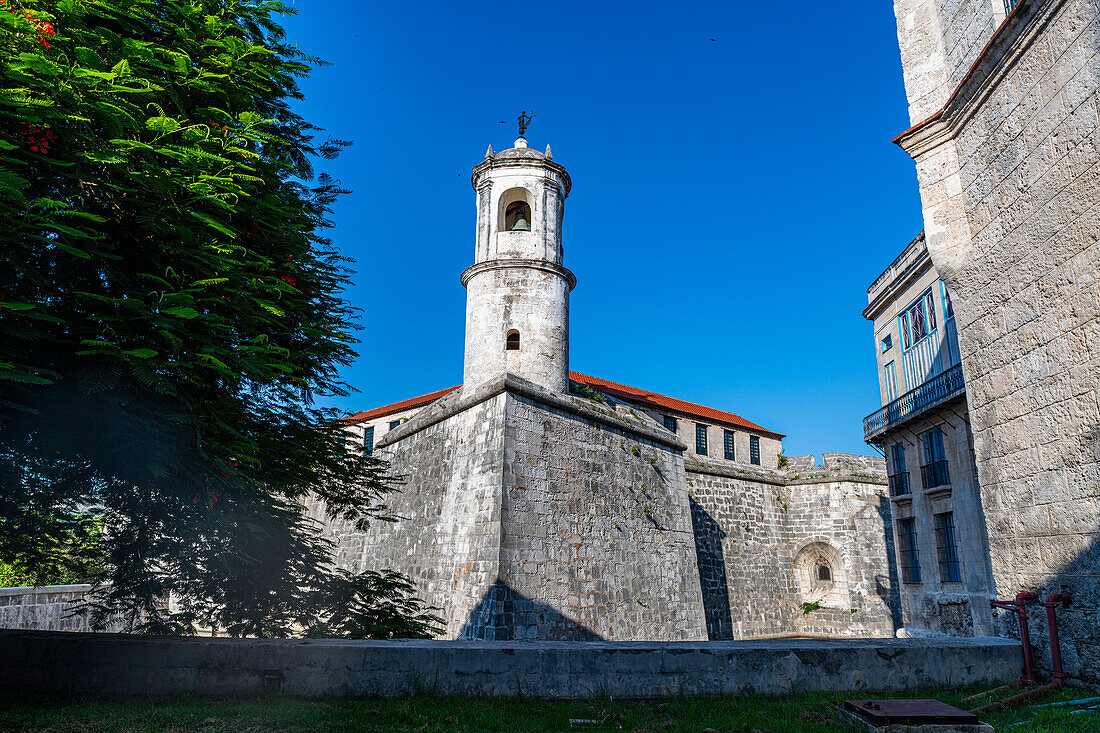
[48, 608]
[448, 537]
[1010, 185]
[596, 526]
[761, 537]
[939, 42]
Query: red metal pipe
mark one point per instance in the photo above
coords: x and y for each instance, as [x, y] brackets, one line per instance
[1050, 603]
[1018, 606]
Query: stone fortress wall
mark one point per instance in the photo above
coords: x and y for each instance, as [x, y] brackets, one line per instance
[577, 516]
[1008, 163]
[762, 536]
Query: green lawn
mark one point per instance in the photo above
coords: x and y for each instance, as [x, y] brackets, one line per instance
[775, 714]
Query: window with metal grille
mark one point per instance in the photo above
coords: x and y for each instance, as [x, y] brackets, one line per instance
[754, 449]
[511, 343]
[910, 555]
[700, 439]
[368, 441]
[394, 424]
[1010, 5]
[947, 549]
[899, 477]
[934, 471]
[727, 444]
[670, 423]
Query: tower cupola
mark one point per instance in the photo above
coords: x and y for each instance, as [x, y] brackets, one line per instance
[517, 290]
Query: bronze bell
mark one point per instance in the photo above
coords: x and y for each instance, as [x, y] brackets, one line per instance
[520, 224]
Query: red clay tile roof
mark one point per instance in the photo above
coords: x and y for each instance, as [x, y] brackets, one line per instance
[614, 389]
[398, 406]
[669, 403]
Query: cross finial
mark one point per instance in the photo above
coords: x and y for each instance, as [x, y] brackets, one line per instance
[525, 121]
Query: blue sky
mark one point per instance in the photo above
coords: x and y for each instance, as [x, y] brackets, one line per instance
[732, 198]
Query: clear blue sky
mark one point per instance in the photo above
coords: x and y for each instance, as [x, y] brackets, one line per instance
[732, 198]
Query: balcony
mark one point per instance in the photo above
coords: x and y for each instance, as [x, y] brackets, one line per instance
[934, 474]
[937, 390]
[899, 483]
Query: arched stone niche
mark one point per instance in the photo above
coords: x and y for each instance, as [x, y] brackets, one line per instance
[512, 196]
[821, 575]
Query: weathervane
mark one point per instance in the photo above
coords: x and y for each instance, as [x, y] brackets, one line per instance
[525, 121]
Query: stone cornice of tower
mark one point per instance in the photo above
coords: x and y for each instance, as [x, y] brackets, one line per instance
[533, 159]
[563, 272]
[1011, 39]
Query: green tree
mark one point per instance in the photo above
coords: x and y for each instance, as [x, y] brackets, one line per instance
[169, 311]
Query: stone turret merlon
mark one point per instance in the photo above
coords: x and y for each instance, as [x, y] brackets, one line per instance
[517, 291]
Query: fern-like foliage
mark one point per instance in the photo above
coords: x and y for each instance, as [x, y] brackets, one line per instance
[169, 309]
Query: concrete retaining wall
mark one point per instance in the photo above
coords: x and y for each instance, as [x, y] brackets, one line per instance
[117, 664]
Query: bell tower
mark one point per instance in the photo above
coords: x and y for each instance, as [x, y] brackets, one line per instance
[517, 290]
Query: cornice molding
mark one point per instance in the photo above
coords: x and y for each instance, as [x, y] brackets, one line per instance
[1011, 39]
[511, 264]
[549, 168]
[904, 279]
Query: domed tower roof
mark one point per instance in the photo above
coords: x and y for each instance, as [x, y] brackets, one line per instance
[520, 156]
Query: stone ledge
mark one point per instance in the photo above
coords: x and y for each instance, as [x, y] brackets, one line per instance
[123, 664]
[776, 478]
[32, 590]
[461, 400]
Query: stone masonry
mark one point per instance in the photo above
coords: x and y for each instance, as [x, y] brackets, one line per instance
[1006, 140]
[540, 504]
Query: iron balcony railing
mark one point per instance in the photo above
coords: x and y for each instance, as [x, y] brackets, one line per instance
[934, 474]
[936, 390]
[899, 483]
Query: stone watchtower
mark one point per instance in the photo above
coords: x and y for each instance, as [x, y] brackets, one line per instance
[517, 290]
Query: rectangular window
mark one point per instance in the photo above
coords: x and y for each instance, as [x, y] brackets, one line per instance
[948, 309]
[368, 441]
[934, 471]
[916, 320]
[754, 449]
[903, 327]
[910, 555]
[727, 444]
[887, 343]
[670, 423]
[890, 374]
[946, 548]
[700, 439]
[899, 477]
[930, 305]
[933, 445]
[394, 424]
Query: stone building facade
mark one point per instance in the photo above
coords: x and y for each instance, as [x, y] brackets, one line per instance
[1006, 138]
[540, 503]
[924, 432]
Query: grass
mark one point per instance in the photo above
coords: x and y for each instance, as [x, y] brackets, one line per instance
[424, 713]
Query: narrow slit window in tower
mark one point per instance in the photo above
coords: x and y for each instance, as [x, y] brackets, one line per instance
[517, 217]
[512, 342]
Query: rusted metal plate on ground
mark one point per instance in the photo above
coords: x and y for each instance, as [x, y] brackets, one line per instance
[910, 712]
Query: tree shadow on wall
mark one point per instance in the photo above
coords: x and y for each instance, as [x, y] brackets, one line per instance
[712, 572]
[507, 615]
